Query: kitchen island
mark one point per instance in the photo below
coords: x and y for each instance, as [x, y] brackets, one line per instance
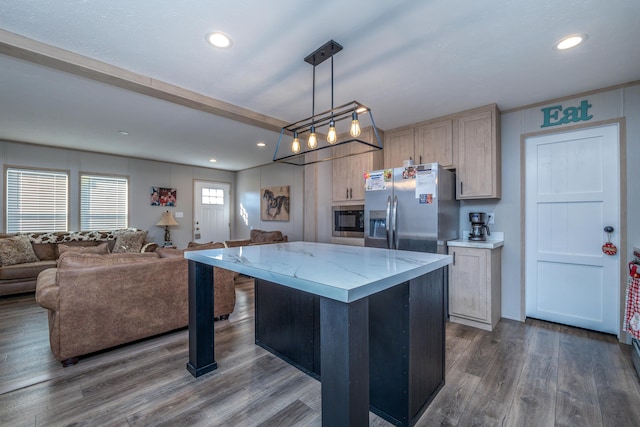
[377, 327]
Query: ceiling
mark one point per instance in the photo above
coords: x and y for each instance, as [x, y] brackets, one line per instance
[407, 60]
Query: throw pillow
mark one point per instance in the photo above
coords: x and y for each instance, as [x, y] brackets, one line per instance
[16, 250]
[130, 241]
[101, 248]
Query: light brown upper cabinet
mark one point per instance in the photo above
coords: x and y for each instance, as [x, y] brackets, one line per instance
[478, 154]
[348, 172]
[424, 142]
[398, 146]
[434, 143]
[468, 142]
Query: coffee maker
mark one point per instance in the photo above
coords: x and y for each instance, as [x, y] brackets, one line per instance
[478, 226]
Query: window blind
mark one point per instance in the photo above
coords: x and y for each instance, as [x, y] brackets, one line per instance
[37, 200]
[103, 202]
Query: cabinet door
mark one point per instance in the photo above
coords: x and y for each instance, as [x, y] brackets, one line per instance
[478, 167]
[398, 146]
[434, 143]
[468, 287]
[341, 175]
[348, 172]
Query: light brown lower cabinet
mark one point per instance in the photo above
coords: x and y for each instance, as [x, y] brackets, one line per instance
[475, 286]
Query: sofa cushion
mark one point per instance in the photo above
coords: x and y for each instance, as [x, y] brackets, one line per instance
[25, 271]
[129, 241]
[174, 253]
[45, 251]
[80, 260]
[260, 236]
[170, 253]
[100, 248]
[16, 250]
[193, 246]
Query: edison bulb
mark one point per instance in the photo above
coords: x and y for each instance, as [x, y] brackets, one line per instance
[332, 137]
[355, 126]
[313, 141]
[295, 145]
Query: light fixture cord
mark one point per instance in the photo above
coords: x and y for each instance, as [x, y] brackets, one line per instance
[313, 98]
[332, 86]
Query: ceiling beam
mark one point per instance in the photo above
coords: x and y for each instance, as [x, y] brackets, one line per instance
[30, 50]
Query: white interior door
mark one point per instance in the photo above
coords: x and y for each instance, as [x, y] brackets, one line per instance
[572, 192]
[211, 212]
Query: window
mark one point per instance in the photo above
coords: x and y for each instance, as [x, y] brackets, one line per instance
[37, 200]
[212, 196]
[104, 202]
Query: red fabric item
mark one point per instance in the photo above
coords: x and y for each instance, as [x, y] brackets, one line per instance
[632, 308]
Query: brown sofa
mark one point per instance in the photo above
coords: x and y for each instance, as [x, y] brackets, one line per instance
[99, 301]
[258, 237]
[20, 263]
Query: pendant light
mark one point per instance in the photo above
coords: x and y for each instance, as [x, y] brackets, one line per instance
[313, 140]
[355, 112]
[332, 136]
[355, 130]
[295, 145]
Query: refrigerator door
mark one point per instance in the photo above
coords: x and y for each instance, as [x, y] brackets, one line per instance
[416, 218]
[377, 208]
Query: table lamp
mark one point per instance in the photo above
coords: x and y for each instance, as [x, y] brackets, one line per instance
[167, 220]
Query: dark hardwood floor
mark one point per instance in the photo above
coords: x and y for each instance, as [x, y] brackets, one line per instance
[521, 374]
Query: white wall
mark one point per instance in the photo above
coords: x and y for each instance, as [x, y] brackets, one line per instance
[247, 209]
[143, 174]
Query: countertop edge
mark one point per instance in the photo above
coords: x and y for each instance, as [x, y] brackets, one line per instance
[487, 244]
[316, 288]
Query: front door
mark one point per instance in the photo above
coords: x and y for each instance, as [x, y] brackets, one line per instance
[211, 211]
[572, 192]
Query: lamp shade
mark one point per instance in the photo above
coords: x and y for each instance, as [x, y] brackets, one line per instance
[167, 219]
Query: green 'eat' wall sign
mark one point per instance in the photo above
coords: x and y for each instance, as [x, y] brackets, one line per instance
[554, 116]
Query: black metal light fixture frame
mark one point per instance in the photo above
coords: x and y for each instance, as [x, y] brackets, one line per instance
[335, 114]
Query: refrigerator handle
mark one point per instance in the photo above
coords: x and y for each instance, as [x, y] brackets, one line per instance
[388, 223]
[396, 237]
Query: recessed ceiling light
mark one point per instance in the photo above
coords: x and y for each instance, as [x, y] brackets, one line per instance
[123, 132]
[570, 41]
[219, 39]
[261, 144]
[212, 160]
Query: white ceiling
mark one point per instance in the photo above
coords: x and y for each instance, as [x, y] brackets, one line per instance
[407, 60]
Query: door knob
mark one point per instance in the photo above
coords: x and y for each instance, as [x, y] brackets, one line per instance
[608, 229]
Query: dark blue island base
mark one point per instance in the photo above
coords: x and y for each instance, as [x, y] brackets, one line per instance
[403, 328]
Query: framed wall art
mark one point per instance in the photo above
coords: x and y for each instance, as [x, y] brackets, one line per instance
[161, 196]
[274, 203]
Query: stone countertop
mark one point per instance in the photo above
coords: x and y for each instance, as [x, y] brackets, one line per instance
[340, 272]
[495, 240]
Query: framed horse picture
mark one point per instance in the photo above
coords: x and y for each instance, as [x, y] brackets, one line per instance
[274, 203]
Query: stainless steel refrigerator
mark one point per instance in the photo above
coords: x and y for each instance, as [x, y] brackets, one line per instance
[411, 208]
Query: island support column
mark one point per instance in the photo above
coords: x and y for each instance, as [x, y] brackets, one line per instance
[201, 340]
[344, 347]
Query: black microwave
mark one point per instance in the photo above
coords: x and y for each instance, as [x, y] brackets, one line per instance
[348, 221]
